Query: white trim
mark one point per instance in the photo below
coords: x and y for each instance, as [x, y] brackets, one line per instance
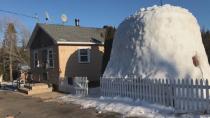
[84, 47]
[88, 55]
[61, 42]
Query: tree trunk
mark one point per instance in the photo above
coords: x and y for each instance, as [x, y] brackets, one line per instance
[10, 72]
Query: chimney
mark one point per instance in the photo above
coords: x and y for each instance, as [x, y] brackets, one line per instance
[76, 22]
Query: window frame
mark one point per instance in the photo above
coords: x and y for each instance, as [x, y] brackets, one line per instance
[50, 58]
[35, 59]
[88, 55]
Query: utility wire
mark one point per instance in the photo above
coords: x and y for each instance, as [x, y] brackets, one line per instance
[19, 14]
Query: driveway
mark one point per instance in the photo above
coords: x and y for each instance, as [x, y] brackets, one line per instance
[40, 106]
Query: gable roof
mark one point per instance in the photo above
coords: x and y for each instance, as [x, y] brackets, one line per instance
[62, 34]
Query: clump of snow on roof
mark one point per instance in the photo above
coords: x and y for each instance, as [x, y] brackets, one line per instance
[158, 42]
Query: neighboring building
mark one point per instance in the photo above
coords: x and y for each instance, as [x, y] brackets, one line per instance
[23, 70]
[61, 52]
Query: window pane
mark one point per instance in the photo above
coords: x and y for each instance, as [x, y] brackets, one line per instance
[50, 58]
[35, 59]
[83, 51]
[35, 55]
[35, 63]
[51, 64]
[44, 56]
[84, 58]
[70, 80]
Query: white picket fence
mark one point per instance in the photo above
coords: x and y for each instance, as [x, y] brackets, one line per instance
[64, 86]
[81, 86]
[186, 95]
[78, 87]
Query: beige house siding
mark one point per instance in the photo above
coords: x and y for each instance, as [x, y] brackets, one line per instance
[70, 66]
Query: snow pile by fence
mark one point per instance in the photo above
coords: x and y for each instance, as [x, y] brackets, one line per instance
[186, 95]
[160, 42]
[125, 106]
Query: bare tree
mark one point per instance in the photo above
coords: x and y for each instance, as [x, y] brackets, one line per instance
[13, 46]
[9, 47]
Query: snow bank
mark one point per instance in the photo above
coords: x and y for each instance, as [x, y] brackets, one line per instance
[159, 41]
[125, 106]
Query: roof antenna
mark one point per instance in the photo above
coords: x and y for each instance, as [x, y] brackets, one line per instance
[47, 17]
[64, 18]
[36, 17]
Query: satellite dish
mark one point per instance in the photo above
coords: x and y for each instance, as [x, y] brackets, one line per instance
[64, 18]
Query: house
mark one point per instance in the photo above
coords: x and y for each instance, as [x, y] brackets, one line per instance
[61, 52]
[23, 70]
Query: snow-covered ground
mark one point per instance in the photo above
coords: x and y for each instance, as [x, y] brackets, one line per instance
[127, 107]
[8, 86]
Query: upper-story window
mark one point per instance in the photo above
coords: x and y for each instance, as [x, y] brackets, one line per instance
[84, 55]
[51, 60]
[36, 61]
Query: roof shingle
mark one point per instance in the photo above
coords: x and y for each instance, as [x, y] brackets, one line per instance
[61, 33]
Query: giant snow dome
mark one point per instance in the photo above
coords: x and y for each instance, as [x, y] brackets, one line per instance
[159, 42]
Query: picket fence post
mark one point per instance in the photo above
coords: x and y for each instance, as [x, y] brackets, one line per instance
[186, 95]
[207, 95]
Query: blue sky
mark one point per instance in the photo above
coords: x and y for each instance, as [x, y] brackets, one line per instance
[96, 13]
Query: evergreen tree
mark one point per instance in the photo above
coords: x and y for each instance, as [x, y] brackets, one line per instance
[206, 42]
[109, 37]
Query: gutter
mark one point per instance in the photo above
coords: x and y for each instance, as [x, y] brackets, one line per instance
[89, 43]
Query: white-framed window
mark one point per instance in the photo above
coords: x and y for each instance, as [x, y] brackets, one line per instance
[50, 58]
[84, 55]
[36, 61]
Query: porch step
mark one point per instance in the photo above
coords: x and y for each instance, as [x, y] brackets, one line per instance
[23, 90]
[36, 86]
[35, 89]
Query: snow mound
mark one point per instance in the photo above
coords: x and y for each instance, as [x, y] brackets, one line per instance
[159, 42]
[126, 106]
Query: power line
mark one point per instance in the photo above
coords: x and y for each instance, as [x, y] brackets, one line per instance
[19, 14]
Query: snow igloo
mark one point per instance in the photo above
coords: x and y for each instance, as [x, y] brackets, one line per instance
[159, 42]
